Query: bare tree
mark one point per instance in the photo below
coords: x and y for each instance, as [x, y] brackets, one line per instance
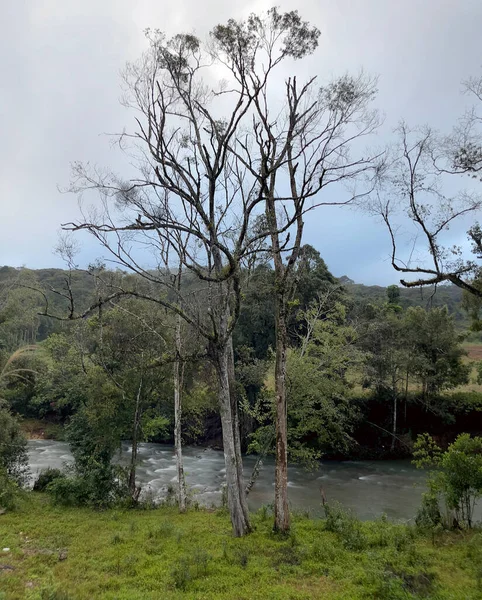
[414, 184]
[303, 146]
[197, 193]
[178, 387]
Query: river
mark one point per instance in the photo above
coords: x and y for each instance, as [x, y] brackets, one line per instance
[369, 488]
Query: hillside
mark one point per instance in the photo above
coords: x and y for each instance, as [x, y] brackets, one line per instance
[83, 287]
[443, 295]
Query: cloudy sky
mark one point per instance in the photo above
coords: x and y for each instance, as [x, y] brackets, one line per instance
[59, 93]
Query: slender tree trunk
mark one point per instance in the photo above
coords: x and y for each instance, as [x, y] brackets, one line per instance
[258, 464]
[394, 428]
[236, 426]
[281, 508]
[406, 396]
[181, 481]
[135, 443]
[237, 502]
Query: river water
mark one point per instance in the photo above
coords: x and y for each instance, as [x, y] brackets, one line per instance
[370, 489]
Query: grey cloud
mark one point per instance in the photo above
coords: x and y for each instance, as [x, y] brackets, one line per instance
[59, 73]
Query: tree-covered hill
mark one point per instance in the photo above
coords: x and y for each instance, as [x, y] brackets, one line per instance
[83, 287]
[427, 297]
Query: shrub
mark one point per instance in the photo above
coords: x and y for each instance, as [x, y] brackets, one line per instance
[181, 574]
[189, 568]
[428, 515]
[456, 474]
[9, 491]
[99, 487]
[93, 480]
[45, 477]
[346, 525]
[13, 448]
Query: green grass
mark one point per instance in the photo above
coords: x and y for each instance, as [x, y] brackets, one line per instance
[66, 554]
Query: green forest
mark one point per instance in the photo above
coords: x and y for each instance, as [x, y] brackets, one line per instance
[207, 321]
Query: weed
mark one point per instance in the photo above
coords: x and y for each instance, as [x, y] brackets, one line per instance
[51, 592]
[164, 529]
[287, 555]
[200, 560]
[347, 527]
[266, 512]
[242, 556]
[181, 574]
[116, 539]
[325, 551]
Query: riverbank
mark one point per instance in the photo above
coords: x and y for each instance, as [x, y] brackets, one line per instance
[36, 429]
[80, 554]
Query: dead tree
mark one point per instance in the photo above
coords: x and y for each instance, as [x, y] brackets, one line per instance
[413, 189]
[303, 148]
[197, 188]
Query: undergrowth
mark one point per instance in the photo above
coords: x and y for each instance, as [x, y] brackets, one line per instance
[66, 553]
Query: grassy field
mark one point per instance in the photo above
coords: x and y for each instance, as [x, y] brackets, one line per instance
[66, 554]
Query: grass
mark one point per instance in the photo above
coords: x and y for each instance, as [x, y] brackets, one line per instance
[79, 554]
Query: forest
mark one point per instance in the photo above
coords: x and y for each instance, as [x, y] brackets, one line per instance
[207, 321]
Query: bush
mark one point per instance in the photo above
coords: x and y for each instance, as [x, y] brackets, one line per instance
[456, 475]
[9, 491]
[189, 568]
[428, 515]
[93, 480]
[181, 574]
[346, 525]
[13, 448]
[99, 487]
[45, 477]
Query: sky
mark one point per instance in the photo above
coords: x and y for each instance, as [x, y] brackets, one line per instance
[60, 64]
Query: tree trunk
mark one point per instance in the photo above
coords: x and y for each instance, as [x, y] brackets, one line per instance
[394, 428]
[406, 398]
[237, 502]
[181, 481]
[281, 509]
[236, 426]
[135, 437]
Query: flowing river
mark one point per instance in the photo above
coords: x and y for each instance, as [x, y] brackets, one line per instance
[370, 489]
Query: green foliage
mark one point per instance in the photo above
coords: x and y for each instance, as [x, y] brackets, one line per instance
[320, 415]
[13, 448]
[198, 402]
[19, 308]
[9, 491]
[45, 478]
[426, 452]
[429, 515]
[457, 476]
[63, 383]
[94, 480]
[54, 593]
[387, 355]
[346, 525]
[100, 486]
[436, 353]
[393, 294]
[189, 568]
